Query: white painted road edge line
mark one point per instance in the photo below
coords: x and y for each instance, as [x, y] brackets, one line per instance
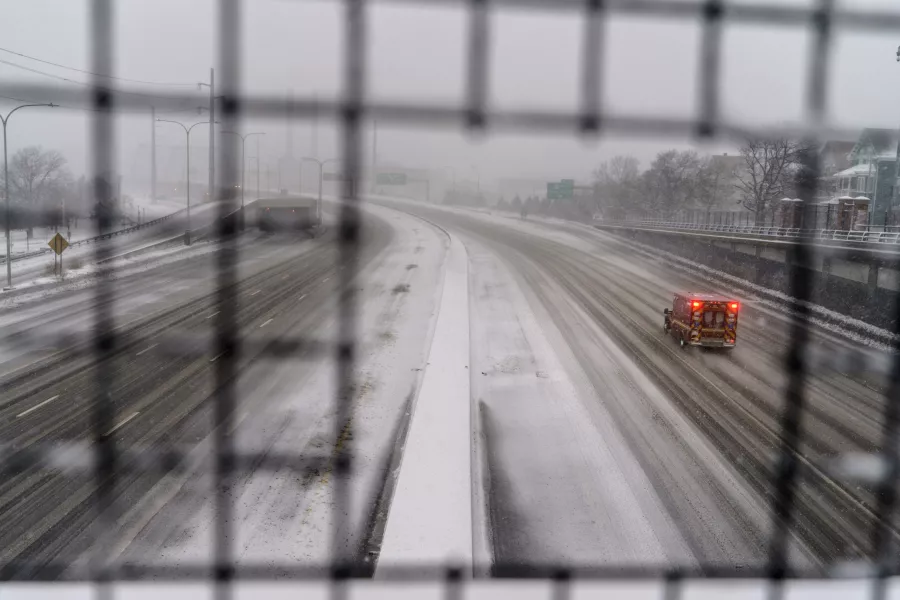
[430, 518]
[122, 422]
[266, 323]
[34, 408]
[214, 314]
[146, 349]
[256, 292]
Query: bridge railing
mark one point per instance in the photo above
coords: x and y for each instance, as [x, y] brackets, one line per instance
[866, 235]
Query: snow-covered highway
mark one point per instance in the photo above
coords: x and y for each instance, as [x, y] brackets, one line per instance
[594, 440]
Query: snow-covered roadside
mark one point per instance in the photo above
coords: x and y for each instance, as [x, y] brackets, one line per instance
[160, 208]
[288, 407]
[42, 236]
[47, 286]
[430, 520]
[83, 229]
[38, 272]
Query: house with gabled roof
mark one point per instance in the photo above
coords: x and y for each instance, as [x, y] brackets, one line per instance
[872, 172]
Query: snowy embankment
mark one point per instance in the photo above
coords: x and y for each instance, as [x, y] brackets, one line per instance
[82, 229]
[430, 520]
[39, 273]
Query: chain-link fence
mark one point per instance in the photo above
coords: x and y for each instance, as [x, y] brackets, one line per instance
[108, 463]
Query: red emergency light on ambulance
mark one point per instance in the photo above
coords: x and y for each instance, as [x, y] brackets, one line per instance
[702, 320]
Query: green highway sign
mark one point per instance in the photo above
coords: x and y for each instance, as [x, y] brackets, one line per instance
[391, 179]
[561, 190]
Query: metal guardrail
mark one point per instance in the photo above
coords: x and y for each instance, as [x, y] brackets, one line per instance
[862, 236]
[98, 238]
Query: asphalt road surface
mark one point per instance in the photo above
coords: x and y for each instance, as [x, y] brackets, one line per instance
[607, 444]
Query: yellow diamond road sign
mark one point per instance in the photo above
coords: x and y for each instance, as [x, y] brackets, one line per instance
[58, 243]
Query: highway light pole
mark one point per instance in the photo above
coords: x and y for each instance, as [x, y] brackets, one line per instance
[321, 164]
[187, 133]
[896, 173]
[212, 130]
[5, 120]
[153, 156]
[243, 166]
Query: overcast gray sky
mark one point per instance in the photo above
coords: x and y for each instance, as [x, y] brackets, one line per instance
[419, 54]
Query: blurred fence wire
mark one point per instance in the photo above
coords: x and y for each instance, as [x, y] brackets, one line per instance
[351, 109]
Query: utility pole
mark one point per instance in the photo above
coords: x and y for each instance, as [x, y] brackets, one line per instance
[257, 168]
[153, 155]
[268, 179]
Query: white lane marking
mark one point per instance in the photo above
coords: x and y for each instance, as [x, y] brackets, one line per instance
[214, 314]
[216, 357]
[133, 415]
[302, 297]
[326, 279]
[256, 292]
[266, 323]
[34, 408]
[238, 421]
[146, 349]
[284, 276]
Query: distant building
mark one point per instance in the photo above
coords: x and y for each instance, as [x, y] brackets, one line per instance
[872, 172]
[835, 156]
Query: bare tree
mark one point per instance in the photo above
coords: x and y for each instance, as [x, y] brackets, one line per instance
[38, 180]
[712, 182]
[34, 173]
[770, 166]
[671, 181]
[616, 184]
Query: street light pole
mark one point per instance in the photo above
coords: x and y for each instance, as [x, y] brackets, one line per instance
[187, 133]
[212, 130]
[321, 164]
[896, 173]
[243, 165]
[5, 120]
[153, 156]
